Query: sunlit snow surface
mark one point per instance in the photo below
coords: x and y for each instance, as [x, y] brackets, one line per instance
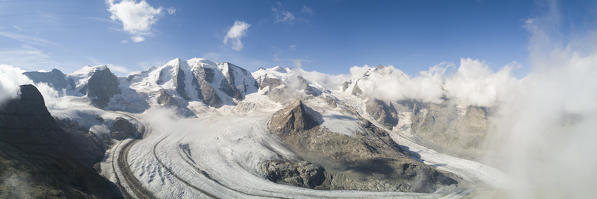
[218, 153]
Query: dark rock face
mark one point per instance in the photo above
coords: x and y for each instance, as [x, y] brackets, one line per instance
[239, 80]
[202, 79]
[302, 173]
[40, 156]
[382, 112]
[179, 84]
[368, 160]
[54, 78]
[294, 118]
[164, 99]
[102, 85]
[123, 128]
[213, 85]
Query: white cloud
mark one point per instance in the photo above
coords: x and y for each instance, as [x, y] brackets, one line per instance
[282, 15]
[389, 83]
[235, 33]
[137, 39]
[26, 38]
[10, 79]
[26, 56]
[118, 69]
[136, 17]
[476, 84]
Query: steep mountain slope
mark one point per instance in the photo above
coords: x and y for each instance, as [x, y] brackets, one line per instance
[98, 83]
[38, 159]
[196, 79]
[54, 78]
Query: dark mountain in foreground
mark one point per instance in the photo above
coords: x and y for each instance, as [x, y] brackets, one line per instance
[38, 159]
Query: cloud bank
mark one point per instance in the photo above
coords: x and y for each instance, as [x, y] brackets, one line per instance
[11, 78]
[235, 33]
[473, 83]
[136, 17]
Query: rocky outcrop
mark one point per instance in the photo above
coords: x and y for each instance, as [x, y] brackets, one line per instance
[301, 173]
[101, 86]
[368, 160]
[238, 82]
[54, 78]
[448, 128]
[179, 83]
[294, 118]
[206, 92]
[41, 160]
[165, 99]
[123, 128]
[382, 112]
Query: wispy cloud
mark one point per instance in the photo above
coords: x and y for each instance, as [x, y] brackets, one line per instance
[136, 17]
[171, 11]
[281, 15]
[307, 10]
[27, 57]
[235, 33]
[26, 38]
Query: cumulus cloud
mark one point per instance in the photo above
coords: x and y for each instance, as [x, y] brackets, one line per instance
[390, 83]
[476, 84]
[235, 33]
[136, 17]
[10, 79]
[473, 83]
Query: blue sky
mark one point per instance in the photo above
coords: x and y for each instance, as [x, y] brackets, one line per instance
[327, 36]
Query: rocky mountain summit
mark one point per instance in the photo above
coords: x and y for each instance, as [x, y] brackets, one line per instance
[197, 79]
[369, 160]
[54, 78]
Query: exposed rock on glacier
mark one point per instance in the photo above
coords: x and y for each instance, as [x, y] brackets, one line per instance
[369, 160]
[123, 128]
[301, 173]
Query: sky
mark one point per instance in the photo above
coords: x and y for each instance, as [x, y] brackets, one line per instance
[327, 36]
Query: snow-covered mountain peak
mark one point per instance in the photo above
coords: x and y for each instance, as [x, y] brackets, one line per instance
[201, 62]
[89, 70]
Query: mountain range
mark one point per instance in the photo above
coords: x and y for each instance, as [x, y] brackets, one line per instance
[339, 137]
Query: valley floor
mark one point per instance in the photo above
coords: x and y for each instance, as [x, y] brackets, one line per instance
[218, 156]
